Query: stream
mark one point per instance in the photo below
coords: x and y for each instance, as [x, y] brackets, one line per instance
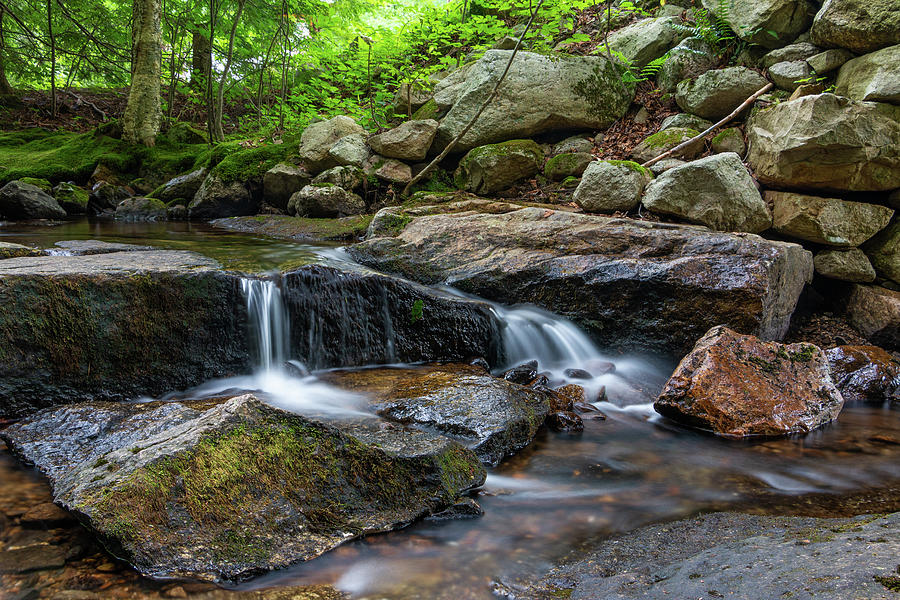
[564, 491]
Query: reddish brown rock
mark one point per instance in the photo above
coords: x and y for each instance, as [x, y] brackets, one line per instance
[865, 373]
[738, 385]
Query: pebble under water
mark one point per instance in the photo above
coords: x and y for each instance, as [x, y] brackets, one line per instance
[562, 492]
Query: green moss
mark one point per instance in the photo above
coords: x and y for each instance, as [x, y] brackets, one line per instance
[603, 89]
[563, 165]
[891, 582]
[670, 138]
[231, 162]
[731, 132]
[40, 183]
[805, 354]
[429, 110]
[630, 164]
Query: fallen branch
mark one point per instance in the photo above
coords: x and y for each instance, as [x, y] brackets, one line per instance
[694, 139]
[91, 104]
[428, 169]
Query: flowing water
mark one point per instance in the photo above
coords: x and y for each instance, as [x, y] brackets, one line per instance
[563, 491]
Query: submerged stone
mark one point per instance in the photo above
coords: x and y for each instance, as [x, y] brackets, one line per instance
[865, 373]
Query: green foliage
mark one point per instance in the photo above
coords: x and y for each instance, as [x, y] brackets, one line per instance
[417, 310]
[714, 29]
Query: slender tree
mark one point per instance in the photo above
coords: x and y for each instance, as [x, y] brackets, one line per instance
[218, 132]
[5, 88]
[142, 114]
[53, 108]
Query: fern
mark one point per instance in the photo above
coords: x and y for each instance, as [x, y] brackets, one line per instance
[715, 30]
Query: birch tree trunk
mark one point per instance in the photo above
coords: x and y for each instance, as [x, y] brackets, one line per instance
[141, 121]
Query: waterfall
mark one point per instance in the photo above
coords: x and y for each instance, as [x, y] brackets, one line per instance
[269, 323]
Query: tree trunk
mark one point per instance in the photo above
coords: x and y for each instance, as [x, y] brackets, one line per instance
[218, 132]
[142, 114]
[200, 57]
[5, 88]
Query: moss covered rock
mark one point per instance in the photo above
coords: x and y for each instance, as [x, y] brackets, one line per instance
[569, 164]
[71, 198]
[227, 490]
[44, 185]
[858, 25]
[729, 140]
[21, 200]
[714, 94]
[611, 185]
[219, 198]
[663, 141]
[494, 167]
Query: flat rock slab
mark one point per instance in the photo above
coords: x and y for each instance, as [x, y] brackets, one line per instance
[83, 247]
[298, 228]
[109, 263]
[228, 489]
[631, 284]
[493, 417]
[728, 555]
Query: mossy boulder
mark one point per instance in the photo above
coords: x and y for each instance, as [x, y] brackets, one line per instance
[569, 164]
[20, 201]
[10, 250]
[663, 141]
[181, 187]
[871, 77]
[611, 185]
[349, 178]
[227, 490]
[71, 198]
[217, 198]
[494, 167]
[44, 185]
[729, 140]
[184, 133]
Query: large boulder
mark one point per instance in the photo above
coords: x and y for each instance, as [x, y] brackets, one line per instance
[645, 40]
[351, 150]
[281, 182]
[858, 25]
[871, 77]
[20, 200]
[410, 97]
[318, 138]
[182, 187]
[540, 94]
[491, 416]
[409, 141]
[769, 23]
[884, 251]
[136, 210]
[495, 167]
[865, 373]
[630, 284]
[738, 385]
[715, 94]
[611, 185]
[217, 198]
[226, 490]
[875, 312]
[325, 200]
[828, 221]
[826, 142]
[716, 191]
[844, 264]
[115, 326]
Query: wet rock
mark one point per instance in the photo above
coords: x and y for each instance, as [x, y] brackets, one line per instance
[844, 265]
[32, 558]
[871, 77]
[826, 142]
[348, 178]
[663, 141]
[884, 251]
[565, 421]
[318, 138]
[177, 212]
[875, 312]
[71, 198]
[492, 417]
[495, 167]
[20, 200]
[865, 373]
[567, 165]
[566, 397]
[522, 374]
[858, 25]
[578, 374]
[183, 186]
[228, 490]
[769, 23]
[409, 141]
[348, 229]
[540, 94]
[630, 284]
[105, 197]
[645, 40]
[217, 198]
[715, 94]
[789, 75]
[88, 247]
[45, 514]
[466, 508]
[691, 58]
[325, 200]
[350, 150]
[112, 326]
[283, 181]
[716, 191]
[10, 250]
[828, 221]
[611, 185]
[141, 210]
[737, 385]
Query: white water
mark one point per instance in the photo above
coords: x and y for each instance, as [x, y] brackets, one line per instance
[269, 322]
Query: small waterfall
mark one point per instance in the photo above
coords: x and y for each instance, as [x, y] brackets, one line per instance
[269, 323]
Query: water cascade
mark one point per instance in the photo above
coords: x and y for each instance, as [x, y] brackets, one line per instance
[269, 322]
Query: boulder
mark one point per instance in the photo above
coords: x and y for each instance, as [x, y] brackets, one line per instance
[666, 164]
[630, 284]
[351, 150]
[716, 191]
[408, 141]
[112, 326]
[884, 251]
[691, 58]
[177, 212]
[829, 60]
[828, 221]
[281, 182]
[495, 167]
[663, 141]
[410, 97]
[865, 373]
[105, 197]
[217, 198]
[88, 247]
[729, 140]
[71, 198]
[685, 121]
[793, 52]
[737, 385]
[858, 25]
[846, 265]
[577, 144]
[871, 77]
[715, 94]
[141, 209]
[227, 490]
[875, 312]
[611, 185]
[325, 200]
[769, 23]
[645, 40]
[391, 170]
[826, 142]
[318, 138]
[540, 94]
[567, 165]
[492, 417]
[349, 178]
[20, 201]
[181, 187]
[10, 250]
[790, 75]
